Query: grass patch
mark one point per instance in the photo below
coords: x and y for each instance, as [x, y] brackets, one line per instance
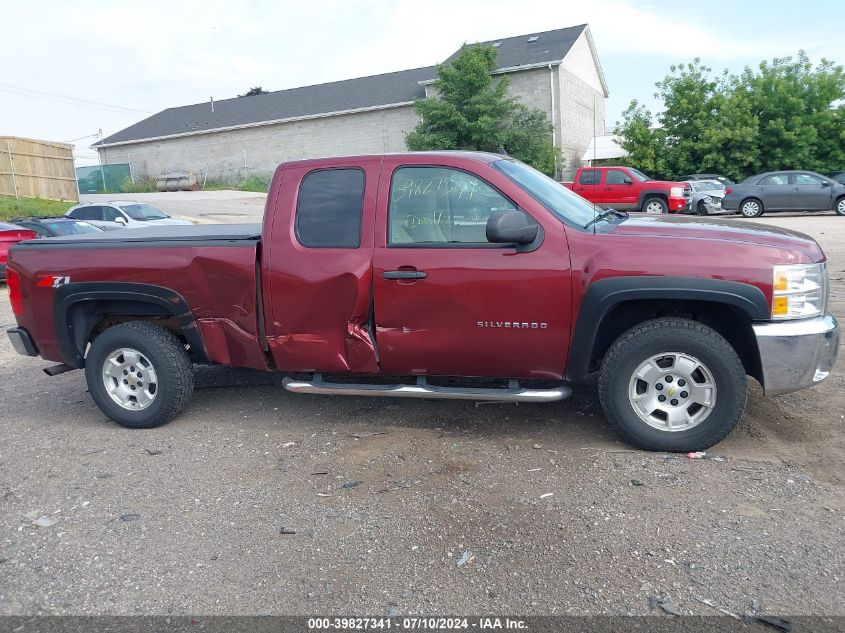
[11, 207]
[251, 183]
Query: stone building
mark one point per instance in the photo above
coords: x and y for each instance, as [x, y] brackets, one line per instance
[556, 71]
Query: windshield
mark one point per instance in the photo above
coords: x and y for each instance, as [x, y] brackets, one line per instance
[143, 211]
[636, 173]
[566, 205]
[71, 228]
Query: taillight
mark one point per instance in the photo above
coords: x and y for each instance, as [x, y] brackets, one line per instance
[13, 283]
[728, 190]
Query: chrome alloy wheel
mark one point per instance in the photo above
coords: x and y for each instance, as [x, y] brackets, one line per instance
[750, 209]
[130, 379]
[654, 207]
[672, 391]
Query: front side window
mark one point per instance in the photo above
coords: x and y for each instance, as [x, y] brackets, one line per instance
[439, 205]
[615, 177]
[110, 214]
[807, 179]
[329, 208]
[589, 177]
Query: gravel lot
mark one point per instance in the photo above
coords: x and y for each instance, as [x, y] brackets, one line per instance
[386, 496]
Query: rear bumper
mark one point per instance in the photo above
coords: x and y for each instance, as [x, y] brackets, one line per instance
[21, 341]
[796, 354]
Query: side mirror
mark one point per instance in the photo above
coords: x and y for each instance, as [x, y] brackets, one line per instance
[628, 180]
[120, 220]
[825, 183]
[511, 227]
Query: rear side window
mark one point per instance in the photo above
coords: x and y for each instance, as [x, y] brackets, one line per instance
[775, 179]
[589, 177]
[329, 209]
[88, 213]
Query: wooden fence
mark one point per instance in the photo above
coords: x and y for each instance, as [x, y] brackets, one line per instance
[37, 169]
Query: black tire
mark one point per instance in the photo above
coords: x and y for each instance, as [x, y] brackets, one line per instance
[172, 367]
[751, 208]
[701, 208]
[666, 335]
[656, 201]
[839, 206]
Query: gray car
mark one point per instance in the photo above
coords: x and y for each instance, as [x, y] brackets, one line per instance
[785, 191]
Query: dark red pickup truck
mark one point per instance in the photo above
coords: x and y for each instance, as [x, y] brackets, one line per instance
[437, 275]
[627, 189]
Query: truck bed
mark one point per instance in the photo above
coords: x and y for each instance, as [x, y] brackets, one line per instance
[198, 235]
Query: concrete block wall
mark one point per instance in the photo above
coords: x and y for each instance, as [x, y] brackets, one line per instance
[235, 153]
[582, 115]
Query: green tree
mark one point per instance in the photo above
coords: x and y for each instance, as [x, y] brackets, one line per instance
[472, 111]
[784, 114]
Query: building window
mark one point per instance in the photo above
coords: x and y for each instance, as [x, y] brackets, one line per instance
[329, 208]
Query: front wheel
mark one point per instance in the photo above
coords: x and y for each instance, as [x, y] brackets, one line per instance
[672, 385]
[839, 207]
[139, 374]
[655, 205]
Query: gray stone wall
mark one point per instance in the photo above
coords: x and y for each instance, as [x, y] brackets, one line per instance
[234, 154]
[582, 115]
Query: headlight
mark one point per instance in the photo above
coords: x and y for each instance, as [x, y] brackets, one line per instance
[676, 192]
[799, 291]
[708, 199]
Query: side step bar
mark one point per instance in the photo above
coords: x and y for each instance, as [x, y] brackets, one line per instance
[423, 390]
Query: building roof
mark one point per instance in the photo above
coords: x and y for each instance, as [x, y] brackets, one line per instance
[350, 95]
[338, 96]
[525, 50]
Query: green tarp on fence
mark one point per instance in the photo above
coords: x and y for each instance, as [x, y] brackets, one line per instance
[90, 179]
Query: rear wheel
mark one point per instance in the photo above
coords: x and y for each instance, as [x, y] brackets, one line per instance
[751, 208]
[655, 205]
[839, 207]
[672, 385]
[139, 374]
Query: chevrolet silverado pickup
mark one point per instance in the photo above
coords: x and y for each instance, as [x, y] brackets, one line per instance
[627, 189]
[437, 275]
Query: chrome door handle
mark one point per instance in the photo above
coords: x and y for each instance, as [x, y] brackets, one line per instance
[404, 274]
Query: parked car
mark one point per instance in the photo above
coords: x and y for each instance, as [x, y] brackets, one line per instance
[375, 266]
[121, 214]
[706, 197]
[628, 189]
[717, 177]
[785, 191]
[11, 234]
[53, 226]
[838, 176]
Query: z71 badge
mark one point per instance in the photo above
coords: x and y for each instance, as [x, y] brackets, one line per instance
[52, 281]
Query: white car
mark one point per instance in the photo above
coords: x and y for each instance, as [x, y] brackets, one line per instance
[121, 214]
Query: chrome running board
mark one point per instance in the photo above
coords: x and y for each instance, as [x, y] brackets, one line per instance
[514, 393]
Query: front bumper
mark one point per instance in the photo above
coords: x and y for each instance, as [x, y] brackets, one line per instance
[21, 341]
[796, 354]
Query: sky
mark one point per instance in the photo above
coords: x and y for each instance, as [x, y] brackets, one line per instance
[70, 69]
